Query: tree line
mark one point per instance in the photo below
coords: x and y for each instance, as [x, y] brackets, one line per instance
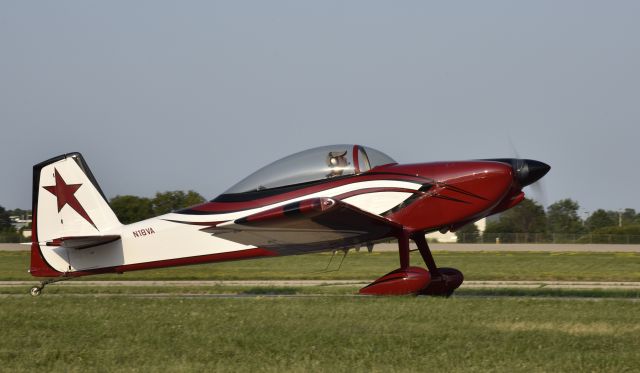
[129, 209]
[530, 222]
[8, 232]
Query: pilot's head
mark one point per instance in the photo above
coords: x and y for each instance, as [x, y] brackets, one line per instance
[337, 161]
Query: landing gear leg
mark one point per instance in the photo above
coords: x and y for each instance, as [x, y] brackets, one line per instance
[403, 249]
[444, 281]
[37, 290]
[425, 252]
[404, 280]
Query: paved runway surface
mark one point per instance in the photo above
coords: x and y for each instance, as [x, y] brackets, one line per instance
[301, 283]
[599, 248]
[254, 296]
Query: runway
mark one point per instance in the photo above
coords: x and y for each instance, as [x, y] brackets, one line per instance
[516, 247]
[313, 296]
[568, 285]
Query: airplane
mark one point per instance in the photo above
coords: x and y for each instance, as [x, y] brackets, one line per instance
[327, 198]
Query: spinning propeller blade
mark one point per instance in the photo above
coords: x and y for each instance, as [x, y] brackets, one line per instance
[528, 172]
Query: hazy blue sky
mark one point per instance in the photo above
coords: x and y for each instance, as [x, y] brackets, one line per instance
[196, 95]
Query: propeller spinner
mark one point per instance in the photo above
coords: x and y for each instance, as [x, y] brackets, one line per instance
[527, 171]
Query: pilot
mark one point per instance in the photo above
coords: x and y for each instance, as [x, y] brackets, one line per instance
[337, 162]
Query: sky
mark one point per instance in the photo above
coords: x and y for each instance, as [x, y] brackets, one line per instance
[179, 95]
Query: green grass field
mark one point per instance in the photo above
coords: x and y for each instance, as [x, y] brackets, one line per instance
[333, 334]
[66, 289]
[75, 328]
[365, 266]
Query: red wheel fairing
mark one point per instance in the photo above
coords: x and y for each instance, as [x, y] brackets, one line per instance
[399, 282]
[444, 284]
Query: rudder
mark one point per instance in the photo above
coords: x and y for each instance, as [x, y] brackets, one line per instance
[67, 202]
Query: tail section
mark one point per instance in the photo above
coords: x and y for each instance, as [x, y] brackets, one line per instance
[67, 202]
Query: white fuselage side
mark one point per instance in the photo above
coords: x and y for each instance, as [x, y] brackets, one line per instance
[174, 235]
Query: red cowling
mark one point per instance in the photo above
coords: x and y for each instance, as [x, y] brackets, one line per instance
[399, 282]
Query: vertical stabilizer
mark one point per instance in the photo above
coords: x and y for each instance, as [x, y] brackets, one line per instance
[67, 202]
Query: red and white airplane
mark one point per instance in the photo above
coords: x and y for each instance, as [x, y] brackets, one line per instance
[322, 199]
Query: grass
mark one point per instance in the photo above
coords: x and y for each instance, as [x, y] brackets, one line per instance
[320, 290]
[337, 334]
[365, 266]
[184, 290]
[181, 328]
[548, 293]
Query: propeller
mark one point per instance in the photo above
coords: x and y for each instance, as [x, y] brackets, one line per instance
[528, 172]
[540, 190]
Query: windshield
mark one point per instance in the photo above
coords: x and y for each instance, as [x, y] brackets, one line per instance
[314, 164]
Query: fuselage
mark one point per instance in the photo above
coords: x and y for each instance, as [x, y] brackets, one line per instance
[420, 197]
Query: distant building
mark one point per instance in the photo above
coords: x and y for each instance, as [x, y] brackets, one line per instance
[21, 223]
[450, 237]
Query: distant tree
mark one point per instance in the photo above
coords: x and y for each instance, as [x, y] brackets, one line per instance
[527, 217]
[562, 217]
[599, 219]
[131, 209]
[5, 221]
[19, 212]
[171, 201]
[628, 216]
[627, 234]
[497, 225]
[468, 234]
[7, 232]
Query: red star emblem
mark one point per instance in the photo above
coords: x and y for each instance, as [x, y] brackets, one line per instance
[65, 193]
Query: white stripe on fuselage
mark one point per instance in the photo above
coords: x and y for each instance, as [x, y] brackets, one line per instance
[374, 207]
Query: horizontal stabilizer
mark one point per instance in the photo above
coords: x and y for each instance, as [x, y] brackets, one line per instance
[82, 242]
[310, 225]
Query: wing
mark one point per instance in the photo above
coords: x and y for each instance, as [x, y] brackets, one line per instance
[310, 225]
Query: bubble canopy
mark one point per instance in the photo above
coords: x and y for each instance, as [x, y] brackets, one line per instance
[325, 162]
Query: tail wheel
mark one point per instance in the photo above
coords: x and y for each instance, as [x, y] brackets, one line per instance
[35, 291]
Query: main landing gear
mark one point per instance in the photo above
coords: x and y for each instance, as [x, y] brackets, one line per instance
[416, 280]
[444, 281]
[37, 290]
